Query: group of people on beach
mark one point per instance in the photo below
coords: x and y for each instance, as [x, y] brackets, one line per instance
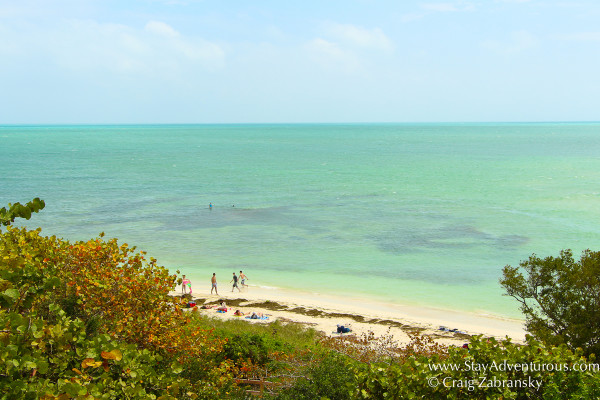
[186, 284]
[222, 308]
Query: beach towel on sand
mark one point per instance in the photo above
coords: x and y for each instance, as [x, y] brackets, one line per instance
[265, 317]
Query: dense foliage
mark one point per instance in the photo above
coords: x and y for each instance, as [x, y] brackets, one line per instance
[560, 298]
[486, 370]
[66, 306]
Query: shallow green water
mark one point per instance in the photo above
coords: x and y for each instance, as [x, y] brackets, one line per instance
[412, 214]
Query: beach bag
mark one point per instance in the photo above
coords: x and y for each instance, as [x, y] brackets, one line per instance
[342, 329]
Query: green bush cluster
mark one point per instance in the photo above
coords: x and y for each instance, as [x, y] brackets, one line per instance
[331, 378]
[488, 369]
[51, 348]
[59, 360]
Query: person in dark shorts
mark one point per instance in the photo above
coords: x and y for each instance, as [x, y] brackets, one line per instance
[235, 281]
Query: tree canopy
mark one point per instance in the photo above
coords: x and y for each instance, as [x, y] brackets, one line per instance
[560, 298]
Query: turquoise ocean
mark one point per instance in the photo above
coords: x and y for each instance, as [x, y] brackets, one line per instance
[415, 214]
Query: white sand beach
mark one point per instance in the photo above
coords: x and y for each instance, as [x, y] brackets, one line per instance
[324, 313]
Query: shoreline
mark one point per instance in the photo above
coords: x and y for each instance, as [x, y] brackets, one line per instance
[324, 313]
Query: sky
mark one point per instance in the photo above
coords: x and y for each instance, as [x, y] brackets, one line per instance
[275, 61]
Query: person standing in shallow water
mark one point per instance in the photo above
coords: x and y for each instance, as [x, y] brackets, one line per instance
[213, 280]
[235, 285]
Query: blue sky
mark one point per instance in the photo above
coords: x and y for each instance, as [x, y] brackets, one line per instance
[205, 61]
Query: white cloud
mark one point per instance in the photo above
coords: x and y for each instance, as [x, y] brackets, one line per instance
[448, 6]
[439, 7]
[431, 8]
[349, 49]
[582, 37]
[7, 46]
[86, 45]
[331, 55]
[160, 28]
[361, 37]
[202, 50]
[519, 41]
[413, 16]
[325, 47]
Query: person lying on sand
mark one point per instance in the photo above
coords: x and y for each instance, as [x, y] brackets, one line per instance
[238, 313]
[344, 329]
[257, 316]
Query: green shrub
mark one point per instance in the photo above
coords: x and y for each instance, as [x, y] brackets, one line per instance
[330, 378]
[530, 371]
[47, 352]
[42, 360]
[247, 346]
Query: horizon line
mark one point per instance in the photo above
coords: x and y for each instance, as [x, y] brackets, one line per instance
[294, 123]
